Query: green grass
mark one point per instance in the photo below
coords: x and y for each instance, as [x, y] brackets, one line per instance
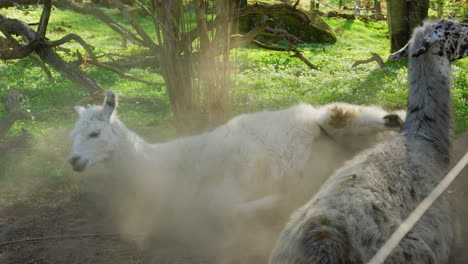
[273, 79]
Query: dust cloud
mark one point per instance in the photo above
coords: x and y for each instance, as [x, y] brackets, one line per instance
[164, 220]
[179, 216]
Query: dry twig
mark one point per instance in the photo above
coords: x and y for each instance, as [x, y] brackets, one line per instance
[375, 57]
[297, 53]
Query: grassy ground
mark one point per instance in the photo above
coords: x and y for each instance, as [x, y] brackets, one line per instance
[272, 79]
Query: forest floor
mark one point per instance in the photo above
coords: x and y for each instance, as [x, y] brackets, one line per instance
[84, 213]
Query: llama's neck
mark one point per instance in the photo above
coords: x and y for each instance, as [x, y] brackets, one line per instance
[133, 153]
[429, 106]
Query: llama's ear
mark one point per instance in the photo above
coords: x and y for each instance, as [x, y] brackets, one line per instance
[424, 46]
[393, 121]
[400, 54]
[110, 103]
[78, 109]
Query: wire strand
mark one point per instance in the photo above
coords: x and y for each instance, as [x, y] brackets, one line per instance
[403, 229]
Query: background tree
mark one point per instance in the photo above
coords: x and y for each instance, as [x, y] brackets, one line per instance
[402, 17]
[377, 6]
[191, 49]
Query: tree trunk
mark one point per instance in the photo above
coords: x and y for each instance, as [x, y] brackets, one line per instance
[440, 8]
[402, 17]
[377, 6]
[417, 13]
[357, 6]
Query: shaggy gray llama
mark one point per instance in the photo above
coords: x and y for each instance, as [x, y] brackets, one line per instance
[360, 206]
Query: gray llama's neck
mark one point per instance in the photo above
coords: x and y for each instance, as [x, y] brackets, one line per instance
[429, 106]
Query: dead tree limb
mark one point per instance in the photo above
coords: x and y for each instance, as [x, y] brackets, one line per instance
[101, 16]
[13, 43]
[147, 41]
[297, 53]
[283, 33]
[43, 67]
[44, 20]
[375, 57]
[48, 55]
[296, 4]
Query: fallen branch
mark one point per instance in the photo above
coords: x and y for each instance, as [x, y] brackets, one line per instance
[283, 33]
[239, 40]
[48, 55]
[375, 57]
[297, 53]
[296, 4]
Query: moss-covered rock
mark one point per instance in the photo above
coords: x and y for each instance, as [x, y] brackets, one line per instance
[311, 30]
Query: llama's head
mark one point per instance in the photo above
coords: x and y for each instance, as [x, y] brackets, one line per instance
[93, 136]
[443, 38]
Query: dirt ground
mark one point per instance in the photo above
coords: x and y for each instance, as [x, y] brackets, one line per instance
[83, 211]
[81, 214]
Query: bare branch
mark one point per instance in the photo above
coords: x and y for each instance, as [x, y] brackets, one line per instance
[119, 72]
[19, 52]
[45, 15]
[238, 40]
[41, 64]
[101, 16]
[43, 67]
[49, 56]
[375, 57]
[296, 4]
[297, 53]
[283, 33]
[147, 41]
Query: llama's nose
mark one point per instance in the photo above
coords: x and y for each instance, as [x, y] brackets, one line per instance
[74, 159]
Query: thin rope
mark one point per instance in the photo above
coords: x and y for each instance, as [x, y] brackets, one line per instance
[403, 229]
[35, 239]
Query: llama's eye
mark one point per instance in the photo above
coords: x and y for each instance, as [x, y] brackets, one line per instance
[95, 134]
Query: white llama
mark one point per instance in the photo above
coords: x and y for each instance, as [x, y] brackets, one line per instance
[268, 149]
[359, 207]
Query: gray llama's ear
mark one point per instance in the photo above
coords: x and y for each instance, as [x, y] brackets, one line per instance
[427, 42]
[78, 109]
[400, 54]
[110, 103]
